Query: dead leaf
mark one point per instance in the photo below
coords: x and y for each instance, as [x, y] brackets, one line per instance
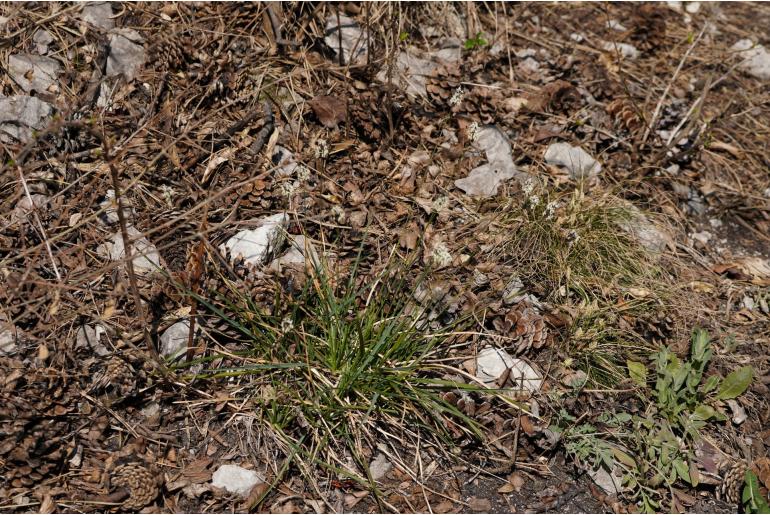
[527, 426]
[480, 505]
[408, 236]
[730, 149]
[506, 489]
[255, 495]
[48, 505]
[329, 110]
[516, 479]
[750, 268]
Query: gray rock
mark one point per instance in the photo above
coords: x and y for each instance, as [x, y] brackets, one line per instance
[33, 72]
[379, 466]
[649, 235]
[284, 161]
[576, 160]
[484, 180]
[626, 50]
[90, 337]
[492, 363]
[26, 205]
[756, 58]
[8, 336]
[20, 115]
[413, 68]
[174, 340]
[611, 484]
[98, 14]
[126, 54]
[299, 248]
[146, 257]
[255, 246]
[354, 48]
[42, 39]
[109, 209]
[235, 479]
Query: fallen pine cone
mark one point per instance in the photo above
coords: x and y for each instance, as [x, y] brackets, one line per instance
[525, 323]
[139, 482]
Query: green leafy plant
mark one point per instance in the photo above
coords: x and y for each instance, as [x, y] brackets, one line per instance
[475, 42]
[752, 499]
[655, 449]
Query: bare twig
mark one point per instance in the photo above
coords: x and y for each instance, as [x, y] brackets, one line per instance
[43, 234]
[662, 99]
[114, 176]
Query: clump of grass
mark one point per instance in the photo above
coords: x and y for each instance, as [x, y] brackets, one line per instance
[574, 243]
[579, 252]
[335, 361]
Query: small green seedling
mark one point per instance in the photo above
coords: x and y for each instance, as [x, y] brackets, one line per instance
[477, 42]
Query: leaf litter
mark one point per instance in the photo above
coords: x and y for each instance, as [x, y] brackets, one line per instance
[376, 134]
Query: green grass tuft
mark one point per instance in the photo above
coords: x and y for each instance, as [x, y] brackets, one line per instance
[333, 362]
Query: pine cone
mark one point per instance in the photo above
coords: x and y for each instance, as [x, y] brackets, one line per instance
[625, 113]
[649, 28]
[525, 323]
[732, 483]
[444, 82]
[167, 50]
[141, 484]
[118, 379]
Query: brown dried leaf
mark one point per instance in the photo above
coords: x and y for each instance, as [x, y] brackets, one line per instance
[480, 505]
[329, 110]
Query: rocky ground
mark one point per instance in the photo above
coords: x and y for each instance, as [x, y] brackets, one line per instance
[568, 203]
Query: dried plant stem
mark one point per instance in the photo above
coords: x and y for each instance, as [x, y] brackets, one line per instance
[662, 99]
[114, 176]
[39, 223]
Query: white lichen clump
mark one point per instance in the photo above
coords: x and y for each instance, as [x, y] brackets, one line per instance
[440, 256]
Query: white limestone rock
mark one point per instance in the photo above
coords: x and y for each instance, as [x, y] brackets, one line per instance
[755, 58]
[296, 257]
[626, 50]
[255, 246]
[174, 340]
[492, 363]
[126, 55]
[236, 479]
[89, 336]
[354, 47]
[146, 258]
[8, 336]
[577, 161]
[20, 115]
[33, 72]
[484, 180]
[98, 14]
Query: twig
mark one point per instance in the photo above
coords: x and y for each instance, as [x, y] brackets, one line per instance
[662, 99]
[129, 258]
[39, 223]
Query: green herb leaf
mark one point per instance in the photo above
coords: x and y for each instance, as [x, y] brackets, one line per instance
[637, 372]
[753, 502]
[735, 383]
[682, 470]
[711, 383]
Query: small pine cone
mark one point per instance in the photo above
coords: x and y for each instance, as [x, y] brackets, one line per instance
[561, 96]
[625, 114]
[118, 378]
[525, 323]
[141, 484]
[167, 51]
[649, 28]
[732, 483]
